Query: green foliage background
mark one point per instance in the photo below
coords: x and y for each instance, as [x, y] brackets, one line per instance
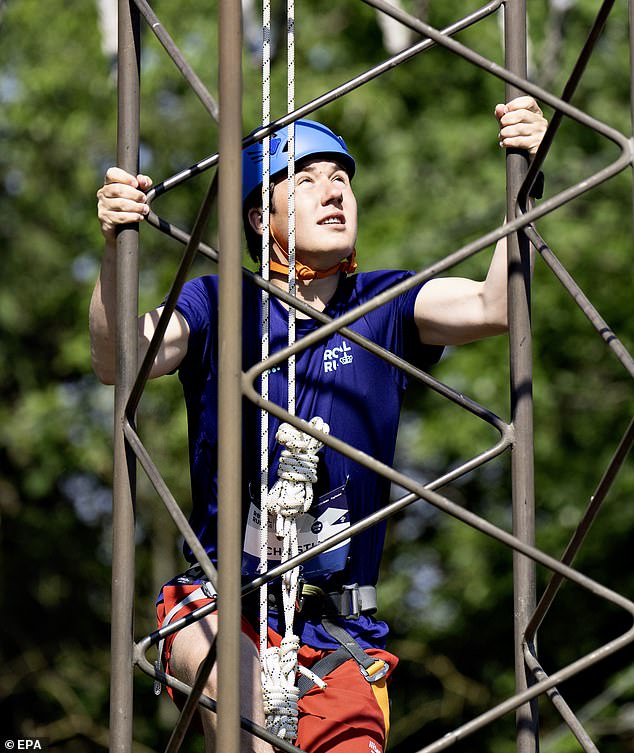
[430, 178]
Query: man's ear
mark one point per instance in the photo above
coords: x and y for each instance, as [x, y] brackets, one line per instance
[255, 219]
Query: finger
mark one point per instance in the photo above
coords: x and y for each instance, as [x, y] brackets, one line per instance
[118, 175]
[524, 103]
[111, 211]
[122, 218]
[144, 182]
[115, 192]
[529, 143]
[500, 111]
[520, 116]
[519, 129]
[122, 204]
[532, 130]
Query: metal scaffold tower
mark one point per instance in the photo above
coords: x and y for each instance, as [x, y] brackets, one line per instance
[514, 436]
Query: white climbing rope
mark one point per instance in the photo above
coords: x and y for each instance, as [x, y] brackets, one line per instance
[292, 494]
[292, 282]
[264, 416]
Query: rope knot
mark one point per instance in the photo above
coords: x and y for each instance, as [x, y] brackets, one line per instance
[292, 493]
[280, 694]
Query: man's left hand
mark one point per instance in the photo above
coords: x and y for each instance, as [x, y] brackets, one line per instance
[522, 124]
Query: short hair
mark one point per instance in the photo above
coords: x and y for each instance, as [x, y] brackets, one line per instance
[254, 239]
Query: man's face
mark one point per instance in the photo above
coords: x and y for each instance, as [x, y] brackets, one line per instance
[325, 214]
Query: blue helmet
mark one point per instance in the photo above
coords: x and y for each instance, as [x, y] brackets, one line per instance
[311, 138]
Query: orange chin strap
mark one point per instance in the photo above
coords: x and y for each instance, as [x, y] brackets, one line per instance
[347, 266]
[304, 273]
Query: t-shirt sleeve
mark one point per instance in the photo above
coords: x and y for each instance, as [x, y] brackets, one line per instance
[197, 302]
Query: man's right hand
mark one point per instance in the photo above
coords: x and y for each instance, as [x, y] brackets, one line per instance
[121, 200]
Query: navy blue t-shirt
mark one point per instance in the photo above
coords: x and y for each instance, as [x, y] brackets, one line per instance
[357, 393]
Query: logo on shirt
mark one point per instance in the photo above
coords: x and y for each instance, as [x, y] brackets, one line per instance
[340, 355]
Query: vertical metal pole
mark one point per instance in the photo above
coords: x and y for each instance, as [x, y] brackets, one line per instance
[126, 343]
[631, 22]
[229, 384]
[521, 386]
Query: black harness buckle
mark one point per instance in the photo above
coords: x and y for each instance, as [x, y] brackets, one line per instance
[350, 606]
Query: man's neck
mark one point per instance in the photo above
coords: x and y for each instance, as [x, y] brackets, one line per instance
[317, 293]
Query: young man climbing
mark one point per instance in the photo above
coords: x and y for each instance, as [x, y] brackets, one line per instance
[353, 391]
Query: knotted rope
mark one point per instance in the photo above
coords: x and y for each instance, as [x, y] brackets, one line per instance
[290, 497]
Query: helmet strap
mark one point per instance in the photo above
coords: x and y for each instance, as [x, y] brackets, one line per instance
[306, 273]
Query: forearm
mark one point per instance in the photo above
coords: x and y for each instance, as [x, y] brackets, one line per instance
[122, 201]
[495, 288]
[457, 310]
[102, 317]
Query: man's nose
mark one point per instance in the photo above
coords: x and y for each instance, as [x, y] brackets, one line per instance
[332, 192]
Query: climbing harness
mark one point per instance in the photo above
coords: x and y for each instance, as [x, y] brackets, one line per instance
[205, 590]
[349, 603]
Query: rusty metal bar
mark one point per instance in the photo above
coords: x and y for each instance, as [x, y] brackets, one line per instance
[431, 496]
[315, 104]
[566, 713]
[189, 254]
[461, 254]
[630, 7]
[229, 386]
[597, 499]
[521, 378]
[580, 298]
[175, 54]
[485, 527]
[569, 89]
[489, 66]
[209, 703]
[170, 503]
[124, 482]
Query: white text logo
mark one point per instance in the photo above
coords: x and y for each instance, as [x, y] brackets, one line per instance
[339, 355]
